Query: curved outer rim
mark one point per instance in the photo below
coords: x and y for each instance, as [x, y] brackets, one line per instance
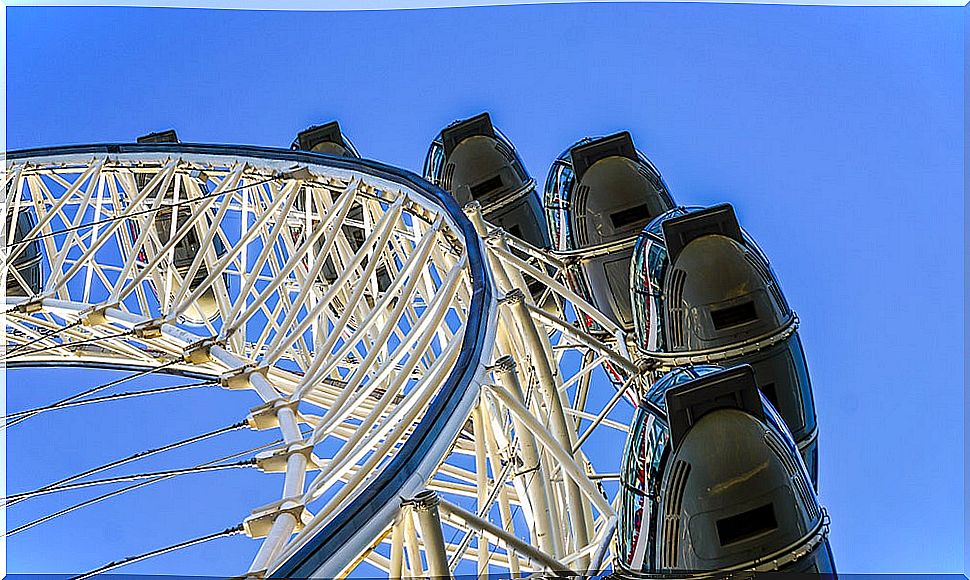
[372, 507]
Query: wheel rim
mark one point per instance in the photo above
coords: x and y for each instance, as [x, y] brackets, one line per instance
[282, 329]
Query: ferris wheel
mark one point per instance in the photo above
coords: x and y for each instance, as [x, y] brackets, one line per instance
[449, 372]
[437, 382]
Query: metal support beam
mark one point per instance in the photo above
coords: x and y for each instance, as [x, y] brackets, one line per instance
[529, 453]
[512, 542]
[576, 506]
[425, 505]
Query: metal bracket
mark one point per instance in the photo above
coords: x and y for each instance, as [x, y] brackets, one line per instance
[95, 315]
[275, 460]
[259, 523]
[148, 330]
[238, 379]
[200, 352]
[31, 306]
[265, 416]
[301, 173]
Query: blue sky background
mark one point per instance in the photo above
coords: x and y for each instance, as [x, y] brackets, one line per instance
[837, 133]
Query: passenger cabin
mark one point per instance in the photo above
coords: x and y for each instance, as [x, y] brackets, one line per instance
[698, 431]
[185, 250]
[700, 283]
[24, 274]
[473, 161]
[328, 139]
[599, 195]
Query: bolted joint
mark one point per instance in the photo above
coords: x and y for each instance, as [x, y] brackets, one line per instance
[497, 237]
[513, 297]
[238, 379]
[266, 416]
[648, 364]
[261, 521]
[148, 330]
[199, 352]
[95, 315]
[30, 307]
[275, 460]
[569, 260]
[505, 364]
[524, 469]
[424, 500]
[425, 505]
[301, 173]
[473, 210]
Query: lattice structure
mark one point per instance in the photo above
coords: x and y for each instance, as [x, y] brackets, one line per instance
[393, 341]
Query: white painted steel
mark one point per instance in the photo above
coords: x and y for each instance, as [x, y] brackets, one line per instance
[303, 320]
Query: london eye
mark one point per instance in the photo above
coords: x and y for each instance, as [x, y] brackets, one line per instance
[455, 375]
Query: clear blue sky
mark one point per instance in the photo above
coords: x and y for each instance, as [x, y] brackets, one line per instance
[835, 132]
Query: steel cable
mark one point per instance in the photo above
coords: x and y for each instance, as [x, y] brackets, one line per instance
[96, 389]
[147, 482]
[237, 529]
[130, 458]
[135, 477]
[69, 344]
[115, 397]
[47, 334]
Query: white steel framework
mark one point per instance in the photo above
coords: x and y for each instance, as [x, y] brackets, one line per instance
[392, 340]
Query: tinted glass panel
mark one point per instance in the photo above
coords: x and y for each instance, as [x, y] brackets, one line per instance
[747, 524]
[629, 216]
[734, 315]
[490, 184]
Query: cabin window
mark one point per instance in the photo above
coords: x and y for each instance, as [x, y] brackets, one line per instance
[483, 187]
[733, 315]
[618, 281]
[746, 525]
[624, 218]
[434, 163]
